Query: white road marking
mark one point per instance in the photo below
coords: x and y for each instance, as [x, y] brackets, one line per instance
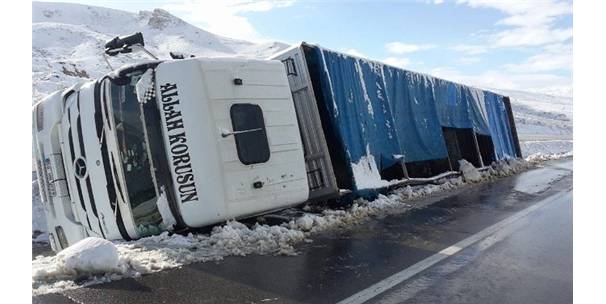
[386, 284]
[451, 250]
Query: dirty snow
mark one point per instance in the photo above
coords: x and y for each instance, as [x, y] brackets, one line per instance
[166, 251]
[156, 253]
[470, 173]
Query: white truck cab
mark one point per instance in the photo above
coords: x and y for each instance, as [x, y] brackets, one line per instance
[168, 145]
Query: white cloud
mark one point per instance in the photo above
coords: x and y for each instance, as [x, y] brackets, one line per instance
[542, 11]
[225, 17]
[522, 36]
[471, 49]
[553, 57]
[534, 82]
[402, 48]
[397, 61]
[531, 22]
[527, 25]
[354, 52]
[469, 60]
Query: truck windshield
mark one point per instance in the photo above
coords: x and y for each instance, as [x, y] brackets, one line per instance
[134, 157]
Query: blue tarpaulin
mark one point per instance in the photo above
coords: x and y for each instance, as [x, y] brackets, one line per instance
[389, 114]
[500, 129]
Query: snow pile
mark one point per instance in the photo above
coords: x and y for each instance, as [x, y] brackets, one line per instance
[541, 157]
[362, 210]
[232, 239]
[86, 258]
[366, 174]
[89, 256]
[470, 173]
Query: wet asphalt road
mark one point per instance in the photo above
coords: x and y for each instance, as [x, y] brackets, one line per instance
[529, 261]
[533, 264]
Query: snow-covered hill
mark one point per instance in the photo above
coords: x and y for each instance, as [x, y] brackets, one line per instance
[540, 116]
[543, 122]
[68, 39]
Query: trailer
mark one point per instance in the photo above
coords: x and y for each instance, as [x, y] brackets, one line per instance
[190, 142]
[380, 123]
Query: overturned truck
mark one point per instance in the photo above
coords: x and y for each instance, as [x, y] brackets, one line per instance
[186, 143]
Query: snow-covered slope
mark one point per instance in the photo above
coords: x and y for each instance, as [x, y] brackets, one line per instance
[68, 39]
[540, 116]
[543, 122]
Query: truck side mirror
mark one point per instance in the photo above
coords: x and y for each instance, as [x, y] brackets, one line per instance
[123, 44]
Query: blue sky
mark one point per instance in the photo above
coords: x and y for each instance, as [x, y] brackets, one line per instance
[515, 44]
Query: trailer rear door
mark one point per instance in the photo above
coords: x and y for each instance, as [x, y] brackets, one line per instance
[320, 174]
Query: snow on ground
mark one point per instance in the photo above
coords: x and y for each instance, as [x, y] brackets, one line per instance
[165, 251]
[545, 147]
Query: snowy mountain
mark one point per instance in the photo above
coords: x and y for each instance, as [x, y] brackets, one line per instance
[68, 39]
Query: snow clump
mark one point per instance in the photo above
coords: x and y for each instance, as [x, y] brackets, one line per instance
[470, 173]
[89, 256]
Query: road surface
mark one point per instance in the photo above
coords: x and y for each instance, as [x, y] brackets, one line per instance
[509, 241]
